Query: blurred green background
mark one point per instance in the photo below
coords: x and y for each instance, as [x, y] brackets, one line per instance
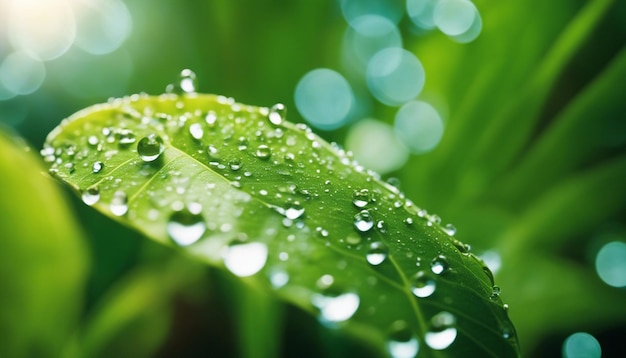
[526, 154]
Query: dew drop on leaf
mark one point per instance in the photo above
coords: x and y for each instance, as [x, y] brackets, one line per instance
[377, 253]
[402, 343]
[335, 306]
[439, 265]
[91, 195]
[245, 259]
[97, 167]
[125, 137]
[363, 221]
[277, 113]
[150, 148]
[423, 285]
[449, 229]
[263, 152]
[294, 212]
[442, 331]
[196, 131]
[187, 81]
[353, 239]
[119, 203]
[361, 198]
[185, 227]
[210, 118]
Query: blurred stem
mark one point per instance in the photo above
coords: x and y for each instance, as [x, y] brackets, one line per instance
[258, 321]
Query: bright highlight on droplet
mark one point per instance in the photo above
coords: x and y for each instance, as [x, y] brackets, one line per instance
[336, 308]
[324, 98]
[102, 25]
[419, 126]
[581, 344]
[245, 259]
[21, 74]
[395, 76]
[611, 263]
[454, 17]
[367, 35]
[376, 146]
[45, 29]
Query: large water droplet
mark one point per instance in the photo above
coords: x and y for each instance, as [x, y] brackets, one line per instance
[277, 113]
[185, 227]
[439, 265]
[335, 307]
[442, 332]
[449, 229]
[263, 152]
[187, 81]
[91, 195]
[97, 167]
[377, 253]
[294, 212]
[119, 203]
[150, 148]
[363, 221]
[245, 259]
[196, 131]
[423, 285]
[361, 198]
[402, 343]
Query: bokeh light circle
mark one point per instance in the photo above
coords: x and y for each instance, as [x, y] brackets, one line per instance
[102, 26]
[21, 74]
[454, 17]
[44, 29]
[375, 146]
[472, 33]
[581, 344]
[369, 34]
[395, 76]
[419, 126]
[421, 13]
[324, 98]
[389, 9]
[611, 263]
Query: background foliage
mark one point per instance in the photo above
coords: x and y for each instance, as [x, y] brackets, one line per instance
[531, 165]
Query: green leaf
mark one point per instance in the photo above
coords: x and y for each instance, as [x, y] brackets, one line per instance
[42, 259]
[242, 189]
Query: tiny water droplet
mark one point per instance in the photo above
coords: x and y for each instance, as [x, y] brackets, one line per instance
[361, 198]
[97, 167]
[439, 265]
[277, 113]
[93, 140]
[245, 259]
[442, 332]
[211, 118]
[185, 227]
[408, 221]
[119, 203]
[402, 342]
[363, 221]
[263, 152]
[423, 285]
[234, 164]
[196, 131]
[449, 229]
[125, 137]
[150, 148]
[353, 239]
[377, 253]
[91, 195]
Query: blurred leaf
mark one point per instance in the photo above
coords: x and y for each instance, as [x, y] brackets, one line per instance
[42, 259]
[240, 188]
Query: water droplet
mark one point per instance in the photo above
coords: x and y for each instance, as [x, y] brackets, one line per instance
[93, 140]
[119, 203]
[449, 229]
[234, 164]
[363, 221]
[294, 212]
[279, 278]
[442, 332]
[187, 81]
[353, 239]
[125, 137]
[196, 131]
[245, 259]
[423, 285]
[150, 148]
[211, 118]
[263, 152]
[91, 195]
[495, 293]
[277, 113]
[186, 227]
[439, 265]
[97, 167]
[335, 306]
[402, 343]
[408, 221]
[377, 253]
[361, 198]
